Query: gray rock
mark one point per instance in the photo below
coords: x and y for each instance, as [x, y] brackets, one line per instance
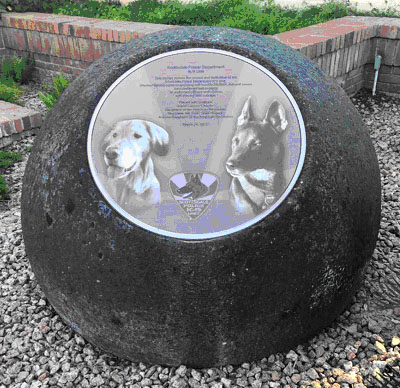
[340, 159]
[312, 374]
[292, 356]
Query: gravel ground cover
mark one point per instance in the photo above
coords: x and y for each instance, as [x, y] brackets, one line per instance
[38, 350]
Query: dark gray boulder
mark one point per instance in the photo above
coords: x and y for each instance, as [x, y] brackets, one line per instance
[159, 299]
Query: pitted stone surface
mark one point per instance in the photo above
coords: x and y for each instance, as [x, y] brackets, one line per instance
[217, 301]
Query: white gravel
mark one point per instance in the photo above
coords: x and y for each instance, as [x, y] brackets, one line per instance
[38, 350]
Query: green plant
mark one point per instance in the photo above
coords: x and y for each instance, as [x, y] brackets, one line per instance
[7, 159]
[29, 5]
[59, 84]
[3, 187]
[17, 69]
[256, 15]
[13, 72]
[10, 93]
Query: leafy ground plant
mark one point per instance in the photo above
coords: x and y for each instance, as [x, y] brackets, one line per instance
[262, 16]
[10, 93]
[7, 159]
[59, 84]
[14, 71]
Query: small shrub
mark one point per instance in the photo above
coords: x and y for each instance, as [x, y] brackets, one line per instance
[13, 72]
[259, 16]
[10, 93]
[7, 159]
[59, 84]
[31, 5]
[17, 69]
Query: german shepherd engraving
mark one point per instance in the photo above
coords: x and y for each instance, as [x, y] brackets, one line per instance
[194, 188]
[256, 161]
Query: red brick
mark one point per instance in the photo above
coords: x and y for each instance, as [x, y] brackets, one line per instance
[391, 47]
[46, 65]
[18, 125]
[7, 127]
[72, 48]
[354, 73]
[389, 78]
[98, 49]
[82, 32]
[357, 54]
[86, 47]
[354, 88]
[329, 46]
[33, 40]
[60, 61]
[384, 69]
[357, 78]
[41, 57]
[345, 59]
[319, 62]
[46, 42]
[352, 56]
[359, 34]
[370, 54]
[341, 60]
[383, 87]
[26, 123]
[380, 47]
[14, 38]
[384, 30]
[327, 64]
[365, 46]
[95, 33]
[332, 65]
[338, 54]
[323, 51]
[393, 32]
[123, 36]
[36, 120]
[348, 39]
[369, 67]
[312, 53]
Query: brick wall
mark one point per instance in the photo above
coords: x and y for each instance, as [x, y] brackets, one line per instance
[66, 43]
[344, 48]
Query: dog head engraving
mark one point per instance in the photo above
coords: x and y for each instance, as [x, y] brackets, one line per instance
[129, 144]
[256, 144]
[256, 160]
[127, 151]
[194, 188]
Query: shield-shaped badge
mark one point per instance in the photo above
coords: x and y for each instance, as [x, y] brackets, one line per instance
[194, 191]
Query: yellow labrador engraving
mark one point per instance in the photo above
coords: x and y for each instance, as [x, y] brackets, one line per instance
[127, 152]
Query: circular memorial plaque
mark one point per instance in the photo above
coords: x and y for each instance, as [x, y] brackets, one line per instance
[196, 143]
[174, 211]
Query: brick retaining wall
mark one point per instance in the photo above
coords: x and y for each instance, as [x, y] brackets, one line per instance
[344, 48]
[66, 43]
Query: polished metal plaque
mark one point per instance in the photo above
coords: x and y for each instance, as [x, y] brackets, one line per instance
[196, 143]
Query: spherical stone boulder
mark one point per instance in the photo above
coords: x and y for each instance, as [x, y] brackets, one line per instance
[241, 293]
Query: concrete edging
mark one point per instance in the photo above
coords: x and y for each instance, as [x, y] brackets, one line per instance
[16, 122]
